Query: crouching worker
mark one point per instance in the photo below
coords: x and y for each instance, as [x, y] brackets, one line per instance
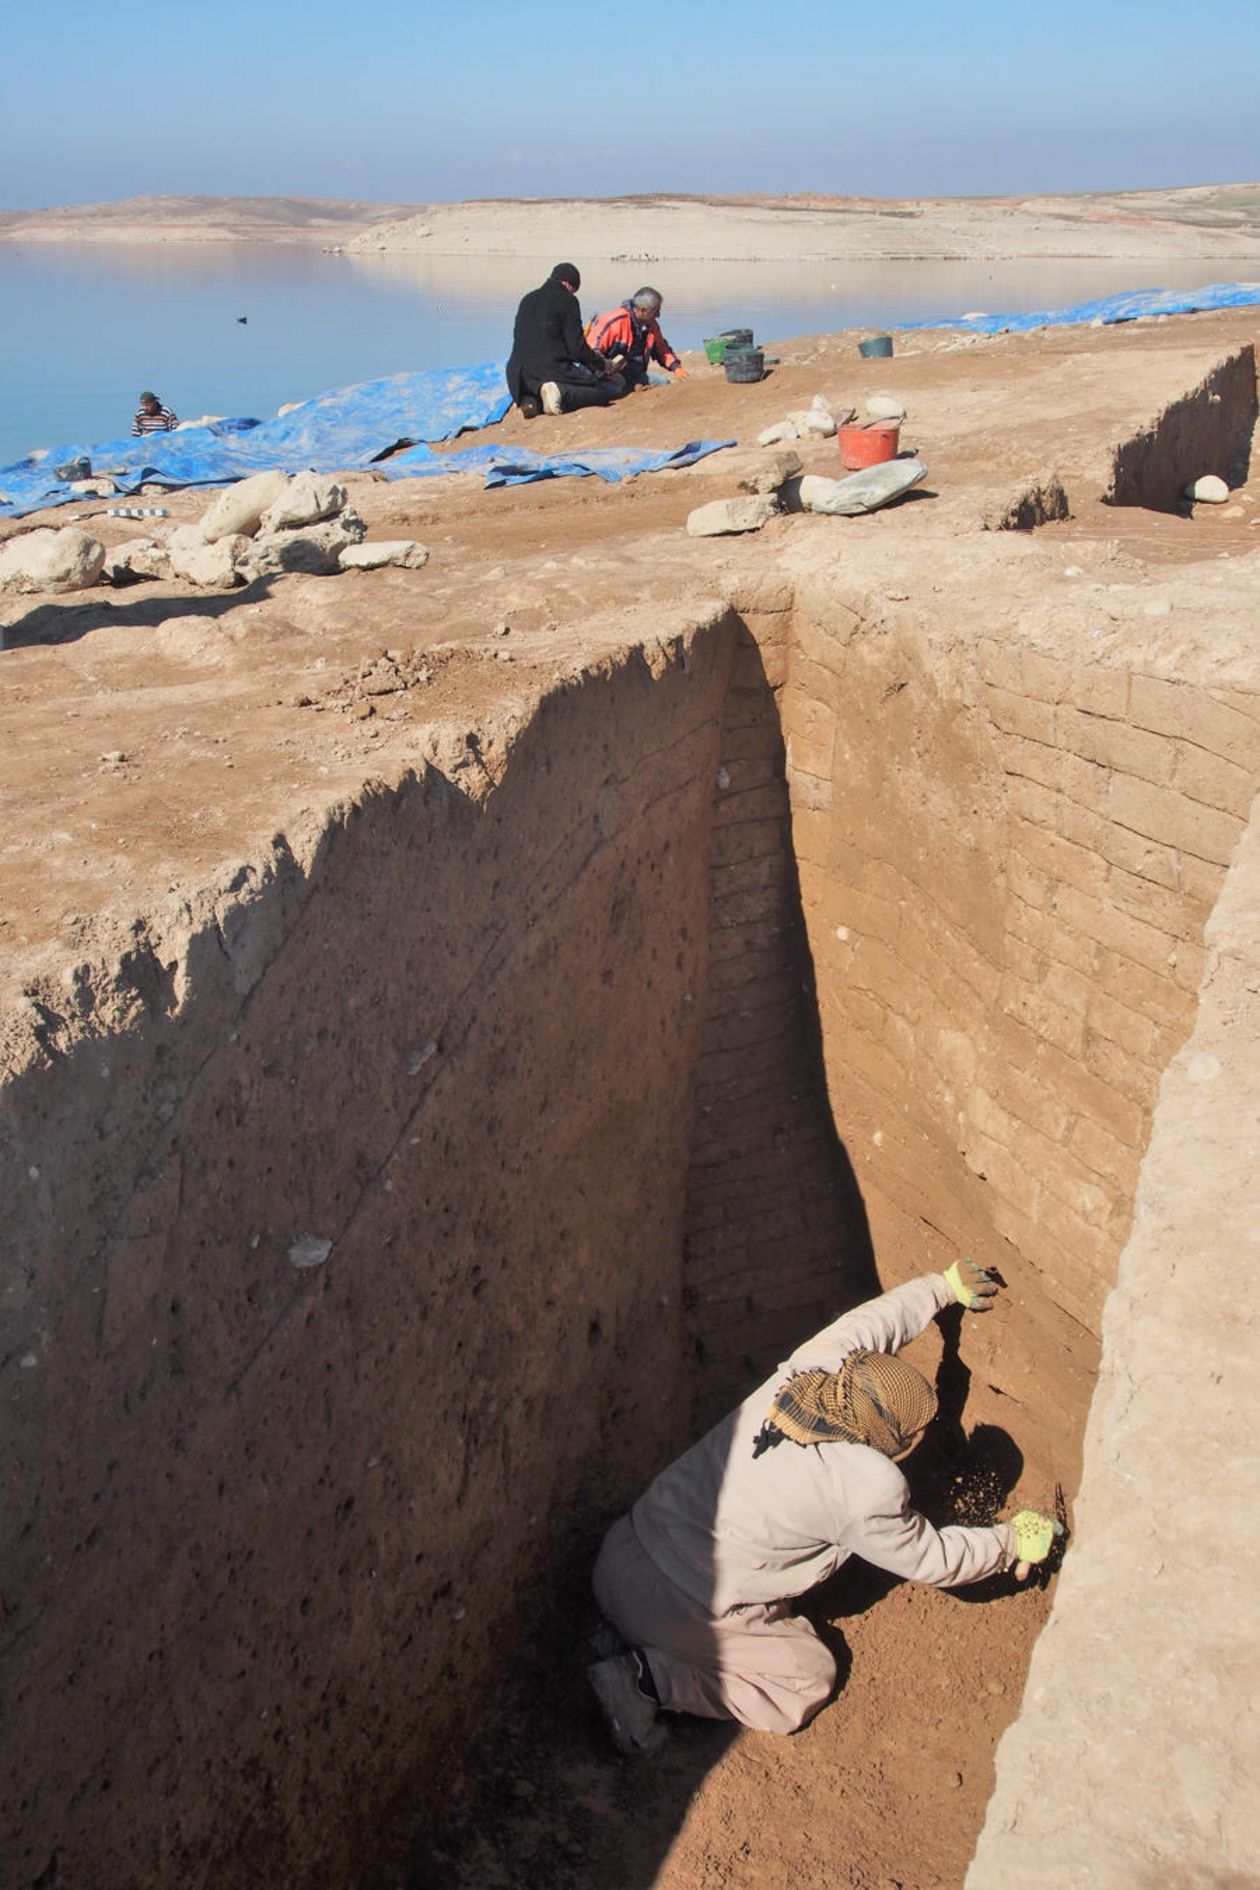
[551, 369]
[696, 1584]
[630, 337]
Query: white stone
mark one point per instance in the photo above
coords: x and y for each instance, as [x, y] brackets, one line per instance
[782, 467]
[138, 558]
[309, 1250]
[885, 407]
[314, 551]
[407, 553]
[862, 491]
[781, 430]
[241, 507]
[812, 420]
[48, 560]
[307, 499]
[731, 515]
[1209, 490]
[215, 567]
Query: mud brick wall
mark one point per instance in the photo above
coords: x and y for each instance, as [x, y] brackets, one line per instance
[269, 1527]
[1208, 430]
[1007, 858]
[776, 1238]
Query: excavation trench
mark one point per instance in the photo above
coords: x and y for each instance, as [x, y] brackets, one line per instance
[384, 1222]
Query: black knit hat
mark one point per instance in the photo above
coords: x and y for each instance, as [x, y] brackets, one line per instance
[567, 272]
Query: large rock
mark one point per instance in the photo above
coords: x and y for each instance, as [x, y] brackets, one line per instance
[48, 560]
[316, 551]
[782, 430]
[407, 553]
[137, 560]
[862, 491]
[782, 467]
[731, 515]
[885, 407]
[813, 420]
[1209, 490]
[240, 508]
[308, 498]
[216, 567]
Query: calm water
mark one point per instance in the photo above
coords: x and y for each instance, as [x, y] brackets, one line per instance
[85, 327]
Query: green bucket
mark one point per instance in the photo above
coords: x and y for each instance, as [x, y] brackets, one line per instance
[715, 351]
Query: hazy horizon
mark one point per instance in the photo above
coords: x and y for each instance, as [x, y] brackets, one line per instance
[443, 107]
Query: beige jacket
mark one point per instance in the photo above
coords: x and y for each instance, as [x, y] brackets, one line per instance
[729, 1530]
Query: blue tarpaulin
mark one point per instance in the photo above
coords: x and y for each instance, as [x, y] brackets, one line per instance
[1107, 309]
[343, 431]
[519, 466]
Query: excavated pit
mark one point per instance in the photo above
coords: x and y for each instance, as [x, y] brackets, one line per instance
[383, 1218]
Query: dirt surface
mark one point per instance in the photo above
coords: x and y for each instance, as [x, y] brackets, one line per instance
[155, 737]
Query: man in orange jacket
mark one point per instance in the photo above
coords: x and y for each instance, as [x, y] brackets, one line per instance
[631, 336]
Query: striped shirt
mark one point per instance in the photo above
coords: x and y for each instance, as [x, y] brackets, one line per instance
[160, 422]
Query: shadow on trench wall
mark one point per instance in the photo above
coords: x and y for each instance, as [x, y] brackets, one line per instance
[776, 1246]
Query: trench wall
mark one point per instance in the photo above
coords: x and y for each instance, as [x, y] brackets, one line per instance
[1208, 429]
[270, 1525]
[1007, 854]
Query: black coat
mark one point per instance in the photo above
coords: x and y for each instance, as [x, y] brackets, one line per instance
[547, 340]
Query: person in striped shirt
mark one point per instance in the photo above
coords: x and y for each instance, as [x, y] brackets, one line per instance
[152, 416]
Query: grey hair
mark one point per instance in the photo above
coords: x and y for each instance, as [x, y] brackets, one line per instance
[647, 298]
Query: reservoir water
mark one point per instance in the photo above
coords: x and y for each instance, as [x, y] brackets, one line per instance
[86, 326]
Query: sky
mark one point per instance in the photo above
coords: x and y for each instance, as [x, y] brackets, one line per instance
[426, 102]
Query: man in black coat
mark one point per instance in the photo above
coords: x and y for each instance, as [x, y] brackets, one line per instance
[551, 369]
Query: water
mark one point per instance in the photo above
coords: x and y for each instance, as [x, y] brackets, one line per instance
[86, 326]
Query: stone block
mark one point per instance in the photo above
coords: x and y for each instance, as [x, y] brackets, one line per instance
[308, 498]
[406, 553]
[240, 508]
[213, 567]
[721, 516]
[50, 560]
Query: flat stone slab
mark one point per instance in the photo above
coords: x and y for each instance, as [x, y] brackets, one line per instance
[863, 491]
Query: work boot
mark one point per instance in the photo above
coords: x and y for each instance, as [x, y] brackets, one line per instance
[628, 1712]
[530, 406]
[552, 398]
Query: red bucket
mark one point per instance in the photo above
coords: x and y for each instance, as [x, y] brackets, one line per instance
[869, 446]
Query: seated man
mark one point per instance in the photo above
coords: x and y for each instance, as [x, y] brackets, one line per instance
[697, 1583]
[630, 336]
[153, 417]
[551, 369]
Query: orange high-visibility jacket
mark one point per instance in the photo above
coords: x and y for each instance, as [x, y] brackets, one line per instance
[615, 333]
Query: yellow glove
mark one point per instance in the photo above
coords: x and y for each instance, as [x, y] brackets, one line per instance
[971, 1286]
[1034, 1534]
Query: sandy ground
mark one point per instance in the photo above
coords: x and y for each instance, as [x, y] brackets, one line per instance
[1219, 224]
[155, 734]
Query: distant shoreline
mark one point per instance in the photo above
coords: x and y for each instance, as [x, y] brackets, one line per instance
[1216, 224]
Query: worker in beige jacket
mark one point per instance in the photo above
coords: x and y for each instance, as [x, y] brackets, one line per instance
[696, 1583]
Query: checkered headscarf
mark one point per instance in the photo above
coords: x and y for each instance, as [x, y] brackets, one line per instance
[873, 1399]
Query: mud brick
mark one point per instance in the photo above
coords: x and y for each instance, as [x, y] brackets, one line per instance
[1116, 1164]
[750, 840]
[1174, 708]
[1148, 859]
[1187, 964]
[1134, 1033]
[1113, 929]
[1049, 808]
[985, 1116]
[1046, 1019]
[1173, 913]
[811, 793]
[1101, 691]
[1028, 882]
[1008, 1177]
[1215, 781]
[811, 835]
[1163, 814]
[1007, 665]
[764, 870]
[1090, 1096]
[1022, 1094]
[1051, 936]
[750, 804]
[1155, 995]
[1116, 745]
[1021, 715]
[1057, 858]
[860, 914]
[1200, 879]
[1128, 1075]
[742, 737]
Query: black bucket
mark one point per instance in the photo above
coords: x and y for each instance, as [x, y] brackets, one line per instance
[744, 364]
[737, 337]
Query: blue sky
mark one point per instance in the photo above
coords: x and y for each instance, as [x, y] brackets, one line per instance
[423, 102]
